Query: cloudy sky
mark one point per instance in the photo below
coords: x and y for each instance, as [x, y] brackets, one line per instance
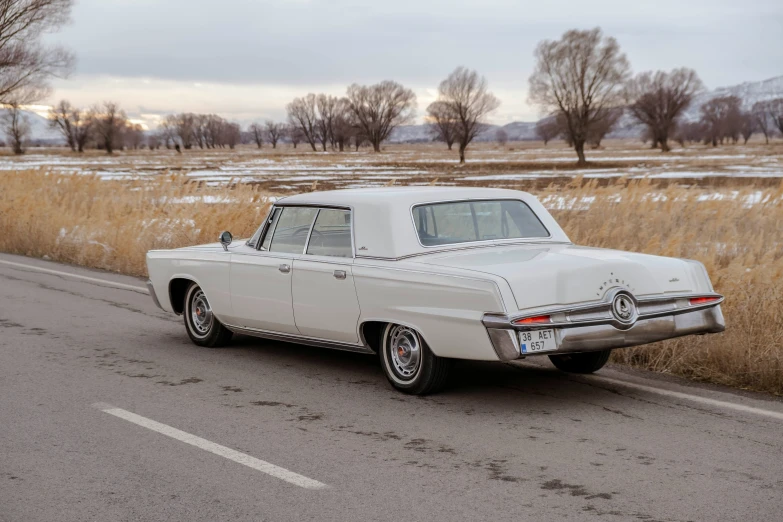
[245, 59]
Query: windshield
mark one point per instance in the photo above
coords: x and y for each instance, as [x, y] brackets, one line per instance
[466, 221]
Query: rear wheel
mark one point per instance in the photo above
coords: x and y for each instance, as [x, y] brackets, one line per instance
[408, 362]
[581, 362]
[202, 326]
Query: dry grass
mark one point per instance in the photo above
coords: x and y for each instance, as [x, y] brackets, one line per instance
[740, 241]
[111, 224]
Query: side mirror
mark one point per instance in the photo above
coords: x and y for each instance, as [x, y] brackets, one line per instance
[225, 239]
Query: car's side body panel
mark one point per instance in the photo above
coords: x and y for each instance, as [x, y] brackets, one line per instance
[446, 308]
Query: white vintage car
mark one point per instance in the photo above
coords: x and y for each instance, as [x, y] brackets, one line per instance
[424, 275]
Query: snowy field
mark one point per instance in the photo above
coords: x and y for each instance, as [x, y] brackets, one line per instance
[289, 170]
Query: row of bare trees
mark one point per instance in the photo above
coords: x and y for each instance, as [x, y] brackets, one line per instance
[370, 113]
[105, 126]
[583, 82]
[188, 130]
[367, 113]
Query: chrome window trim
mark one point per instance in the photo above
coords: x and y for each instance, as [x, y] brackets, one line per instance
[263, 226]
[320, 206]
[266, 224]
[479, 242]
[353, 251]
[310, 232]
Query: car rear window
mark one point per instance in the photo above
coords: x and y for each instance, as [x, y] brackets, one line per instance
[466, 221]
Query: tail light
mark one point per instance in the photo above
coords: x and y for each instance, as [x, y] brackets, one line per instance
[538, 319]
[703, 300]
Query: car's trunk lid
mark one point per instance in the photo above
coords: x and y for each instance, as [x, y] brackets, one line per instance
[558, 274]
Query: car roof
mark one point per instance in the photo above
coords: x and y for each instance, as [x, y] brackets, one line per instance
[409, 195]
[383, 225]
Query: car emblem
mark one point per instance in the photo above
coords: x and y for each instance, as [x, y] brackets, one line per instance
[623, 307]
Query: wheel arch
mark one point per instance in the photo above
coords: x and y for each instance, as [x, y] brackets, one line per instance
[177, 288]
[370, 332]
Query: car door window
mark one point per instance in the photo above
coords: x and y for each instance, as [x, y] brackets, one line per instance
[331, 234]
[293, 227]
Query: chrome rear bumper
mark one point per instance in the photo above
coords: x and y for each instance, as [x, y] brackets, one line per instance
[595, 337]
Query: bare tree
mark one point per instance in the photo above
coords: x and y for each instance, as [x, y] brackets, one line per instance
[274, 132]
[548, 129]
[579, 76]
[109, 121]
[133, 135]
[466, 97]
[747, 126]
[603, 126]
[327, 112]
[378, 109]
[501, 136]
[775, 112]
[60, 119]
[16, 125]
[443, 122]
[185, 126]
[232, 135]
[294, 134]
[257, 133]
[301, 114]
[658, 99]
[760, 112]
[166, 131]
[26, 64]
[343, 125]
[82, 124]
[719, 116]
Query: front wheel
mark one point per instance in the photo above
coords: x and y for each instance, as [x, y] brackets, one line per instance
[202, 326]
[581, 362]
[408, 362]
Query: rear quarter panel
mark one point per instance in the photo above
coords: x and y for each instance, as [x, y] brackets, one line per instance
[446, 309]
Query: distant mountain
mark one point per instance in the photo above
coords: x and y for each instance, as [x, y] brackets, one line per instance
[627, 127]
[748, 92]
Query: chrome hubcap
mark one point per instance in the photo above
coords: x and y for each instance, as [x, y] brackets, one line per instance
[200, 312]
[405, 351]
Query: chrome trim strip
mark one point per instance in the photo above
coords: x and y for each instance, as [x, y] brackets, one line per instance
[561, 316]
[310, 232]
[300, 339]
[470, 246]
[151, 290]
[263, 226]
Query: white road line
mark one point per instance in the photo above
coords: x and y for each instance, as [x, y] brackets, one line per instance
[104, 282]
[217, 449]
[694, 398]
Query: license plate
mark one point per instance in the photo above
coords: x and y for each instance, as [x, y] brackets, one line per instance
[537, 341]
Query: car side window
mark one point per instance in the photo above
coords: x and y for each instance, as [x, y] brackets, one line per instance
[331, 234]
[292, 229]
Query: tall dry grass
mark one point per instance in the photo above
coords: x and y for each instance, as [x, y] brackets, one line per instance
[739, 237]
[737, 234]
[111, 224]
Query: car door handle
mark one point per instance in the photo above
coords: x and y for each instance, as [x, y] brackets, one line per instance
[339, 274]
[284, 268]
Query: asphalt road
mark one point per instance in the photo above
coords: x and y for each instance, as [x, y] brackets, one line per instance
[108, 412]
